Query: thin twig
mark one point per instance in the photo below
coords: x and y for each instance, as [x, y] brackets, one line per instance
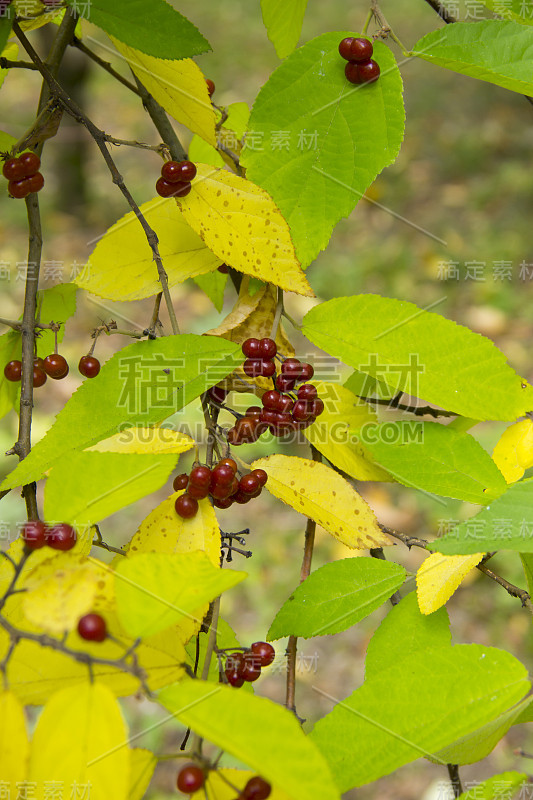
[418, 411]
[105, 65]
[455, 780]
[5, 63]
[443, 13]
[161, 122]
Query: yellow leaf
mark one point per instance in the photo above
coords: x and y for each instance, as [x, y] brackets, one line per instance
[121, 267]
[40, 13]
[334, 431]
[317, 491]
[222, 784]
[148, 439]
[439, 576]
[513, 452]
[14, 746]
[179, 86]
[252, 315]
[242, 225]
[143, 763]
[81, 739]
[59, 592]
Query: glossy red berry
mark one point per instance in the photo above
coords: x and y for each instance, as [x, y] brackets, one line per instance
[301, 411]
[180, 482]
[249, 484]
[271, 399]
[56, 366]
[268, 369]
[317, 407]
[222, 475]
[344, 47]
[361, 50]
[261, 476]
[254, 412]
[38, 362]
[228, 462]
[61, 536]
[197, 492]
[286, 403]
[233, 669]
[307, 391]
[178, 171]
[200, 476]
[13, 370]
[267, 348]
[226, 502]
[89, 366]
[251, 347]
[39, 377]
[264, 652]
[292, 367]
[92, 627]
[186, 506]
[191, 778]
[217, 394]
[251, 668]
[19, 189]
[13, 170]
[166, 189]
[253, 367]
[36, 182]
[284, 383]
[256, 789]
[210, 86]
[369, 72]
[181, 189]
[245, 431]
[30, 163]
[306, 372]
[33, 534]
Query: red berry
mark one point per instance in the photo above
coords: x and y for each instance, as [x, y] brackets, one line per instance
[269, 416]
[241, 498]
[284, 383]
[253, 367]
[286, 403]
[223, 268]
[306, 373]
[166, 189]
[267, 349]
[180, 482]
[369, 72]
[200, 476]
[210, 86]
[89, 366]
[13, 170]
[268, 369]
[30, 163]
[217, 394]
[56, 366]
[191, 778]
[39, 377]
[301, 411]
[344, 47]
[261, 476]
[250, 348]
[307, 391]
[92, 627]
[227, 462]
[249, 484]
[317, 407]
[197, 492]
[225, 503]
[234, 488]
[361, 50]
[233, 669]
[283, 423]
[36, 182]
[13, 370]
[61, 536]
[245, 431]
[171, 172]
[292, 368]
[19, 189]
[222, 475]
[256, 789]
[264, 652]
[351, 71]
[187, 171]
[186, 506]
[38, 362]
[271, 400]
[34, 534]
[182, 189]
[254, 412]
[221, 491]
[251, 668]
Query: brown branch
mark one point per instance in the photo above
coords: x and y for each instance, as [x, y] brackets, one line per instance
[161, 122]
[377, 552]
[443, 13]
[455, 780]
[418, 411]
[5, 63]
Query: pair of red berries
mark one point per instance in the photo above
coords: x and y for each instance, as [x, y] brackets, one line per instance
[221, 483]
[192, 778]
[54, 366]
[259, 357]
[175, 180]
[358, 53]
[23, 174]
[246, 665]
[59, 536]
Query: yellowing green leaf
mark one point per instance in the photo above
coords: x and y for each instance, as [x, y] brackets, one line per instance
[147, 439]
[121, 267]
[143, 764]
[439, 576]
[220, 782]
[513, 452]
[81, 739]
[179, 86]
[9, 52]
[317, 491]
[242, 225]
[14, 747]
[333, 433]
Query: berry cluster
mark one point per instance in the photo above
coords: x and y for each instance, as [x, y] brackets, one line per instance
[358, 53]
[23, 174]
[221, 483]
[192, 778]
[59, 536]
[246, 665]
[92, 628]
[53, 366]
[282, 412]
[175, 180]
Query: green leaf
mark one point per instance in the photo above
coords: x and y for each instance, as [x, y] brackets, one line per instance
[364, 385]
[527, 564]
[5, 31]
[87, 487]
[497, 787]
[213, 284]
[203, 153]
[56, 304]
[518, 10]
[504, 525]
[283, 22]
[10, 52]
[261, 733]
[10, 349]
[417, 707]
[238, 118]
[131, 389]
[157, 590]
[156, 29]
[404, 632]
[431, 457]
[420, 353]
[338, 138]
[337, 596]
[496, 51]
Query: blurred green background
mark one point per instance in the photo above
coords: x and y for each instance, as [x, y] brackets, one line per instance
[462, 176]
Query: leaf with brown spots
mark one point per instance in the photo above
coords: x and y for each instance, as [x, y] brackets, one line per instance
[241, 224]
[322, 494]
